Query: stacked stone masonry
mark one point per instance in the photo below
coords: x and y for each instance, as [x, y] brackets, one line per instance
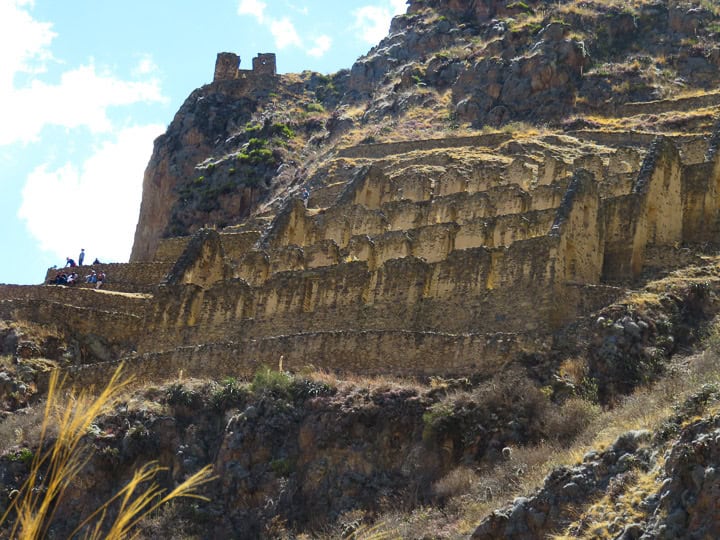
[420, 264]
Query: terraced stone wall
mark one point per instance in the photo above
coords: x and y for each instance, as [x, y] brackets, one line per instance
[368, 352]
[652, 214]
[415, 271]
[381, 150]
[71, 296]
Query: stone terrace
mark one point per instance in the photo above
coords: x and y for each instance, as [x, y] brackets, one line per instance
[411, 258]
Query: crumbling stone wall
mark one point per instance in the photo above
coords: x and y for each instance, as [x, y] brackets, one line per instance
[652, 214]
[380, 150]
[576, 224]
[264, 64]
[456, 263]
[400, 353]
[227, 66]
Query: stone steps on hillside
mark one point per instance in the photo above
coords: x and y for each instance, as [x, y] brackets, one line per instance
[123, 277]
[424, 182]
[378, 218]
[325, 196]
[75, 297]
[690, 103]
[430, 242]
[693, 147]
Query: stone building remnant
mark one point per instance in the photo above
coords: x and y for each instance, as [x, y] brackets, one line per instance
[227, 67]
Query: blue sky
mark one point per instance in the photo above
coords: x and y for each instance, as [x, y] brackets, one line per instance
[86, 86]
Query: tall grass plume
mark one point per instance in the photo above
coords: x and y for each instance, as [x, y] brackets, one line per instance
[57, 463]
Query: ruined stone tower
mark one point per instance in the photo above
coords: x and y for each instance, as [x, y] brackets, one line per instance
[264, 64]
[227, 67]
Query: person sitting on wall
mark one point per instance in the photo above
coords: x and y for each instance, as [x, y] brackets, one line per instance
[91, 277]
[70, 262]
[72, 279]
[96, 261]
[101, 278]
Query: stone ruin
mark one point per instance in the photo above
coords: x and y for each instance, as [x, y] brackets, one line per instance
[227, 67]
[420, 264]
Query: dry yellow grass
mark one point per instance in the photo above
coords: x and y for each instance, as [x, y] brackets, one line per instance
[53, 471]
[623, 502]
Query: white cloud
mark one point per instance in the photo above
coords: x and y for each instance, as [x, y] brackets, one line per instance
[398, 7]
[304, 10]
[81, 98]
[94, 206]
[256, 8]
[372, 22]
[23, 41]
[284, 33]
[145, 66]
[322, 45]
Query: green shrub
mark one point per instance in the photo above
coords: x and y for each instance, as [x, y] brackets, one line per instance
[303, 389]
[522, 6]
[178, 394]
[282, 130]
[229, 394]
[281, 467]
[256, 143]
[24, 455]
[251, 128]
[268, 381]
[434, 417]
[314, 107]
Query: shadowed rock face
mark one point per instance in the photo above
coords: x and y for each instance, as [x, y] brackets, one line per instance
[207, 117]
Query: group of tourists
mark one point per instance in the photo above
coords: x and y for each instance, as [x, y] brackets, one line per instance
[71, 278]
[64, 278]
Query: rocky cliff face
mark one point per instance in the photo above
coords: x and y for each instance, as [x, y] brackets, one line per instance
[204, 120]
